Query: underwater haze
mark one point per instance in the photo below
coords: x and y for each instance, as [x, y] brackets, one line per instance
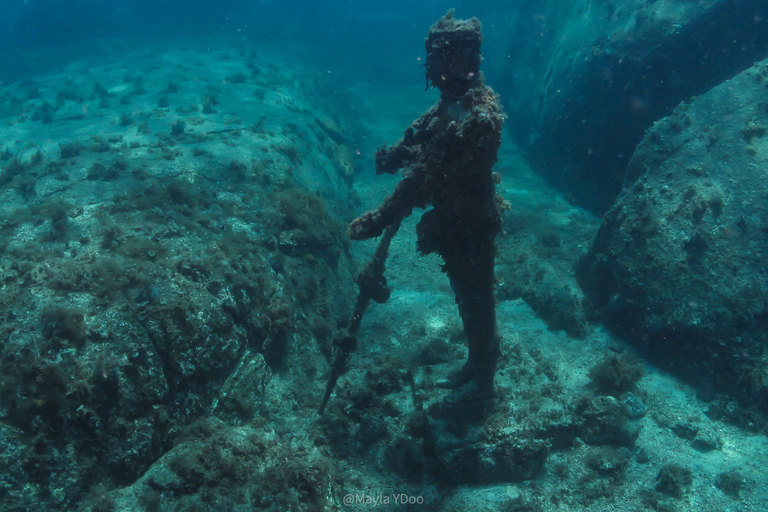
[359, 32]
[341, 256]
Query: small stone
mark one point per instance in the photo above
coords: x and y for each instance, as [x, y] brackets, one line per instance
[706, 441]
[633, 406]
[685, 430]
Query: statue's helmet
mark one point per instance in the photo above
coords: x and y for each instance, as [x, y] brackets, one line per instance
[453, 54]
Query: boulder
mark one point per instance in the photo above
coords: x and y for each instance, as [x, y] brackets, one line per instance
[678, 265]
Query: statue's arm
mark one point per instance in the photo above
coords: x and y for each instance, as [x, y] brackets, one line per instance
[408, 149]
[411, 192]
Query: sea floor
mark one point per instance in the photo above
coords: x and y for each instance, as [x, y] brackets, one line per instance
[675, 429]
[230, 135]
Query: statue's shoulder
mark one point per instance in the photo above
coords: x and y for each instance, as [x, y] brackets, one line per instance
[486, 107]
[485, 96]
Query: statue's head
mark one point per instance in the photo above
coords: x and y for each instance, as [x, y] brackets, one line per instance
[453, 54]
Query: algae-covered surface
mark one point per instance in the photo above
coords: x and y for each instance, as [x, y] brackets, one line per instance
[175, 267]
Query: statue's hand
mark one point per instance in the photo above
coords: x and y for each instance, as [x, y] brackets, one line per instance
[392, 159]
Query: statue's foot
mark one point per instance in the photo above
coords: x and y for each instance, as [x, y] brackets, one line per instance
[467, 384]
[457, 378]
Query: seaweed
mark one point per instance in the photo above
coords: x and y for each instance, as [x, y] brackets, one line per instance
[138, 86]
[177, 128]
[125, 119]
[237, 78]
[58, 212]
[171, 88]
[731, 483]
[45, 113]
[63, 324]
[616, 374]
[13, 169]
[99, 91]
[208, 103]
[71, 149]
[673, 480]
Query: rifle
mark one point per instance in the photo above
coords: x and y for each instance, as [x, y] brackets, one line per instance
[373, 286]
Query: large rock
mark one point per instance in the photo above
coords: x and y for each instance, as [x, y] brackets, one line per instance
[584, 79]
[172, 242]
[679, 263]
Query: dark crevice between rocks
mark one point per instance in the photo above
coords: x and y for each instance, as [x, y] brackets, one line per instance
[586, 141]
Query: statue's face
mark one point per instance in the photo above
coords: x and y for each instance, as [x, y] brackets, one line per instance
[453, 60]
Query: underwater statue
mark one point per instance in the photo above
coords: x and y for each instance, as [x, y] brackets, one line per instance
[447, 157]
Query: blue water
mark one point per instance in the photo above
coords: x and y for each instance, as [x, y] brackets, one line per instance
[334, 33]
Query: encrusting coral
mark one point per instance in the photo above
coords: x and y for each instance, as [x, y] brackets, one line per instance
[448, 156]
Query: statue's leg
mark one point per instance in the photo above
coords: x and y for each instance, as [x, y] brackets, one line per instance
[471, 275]
[466, 245]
